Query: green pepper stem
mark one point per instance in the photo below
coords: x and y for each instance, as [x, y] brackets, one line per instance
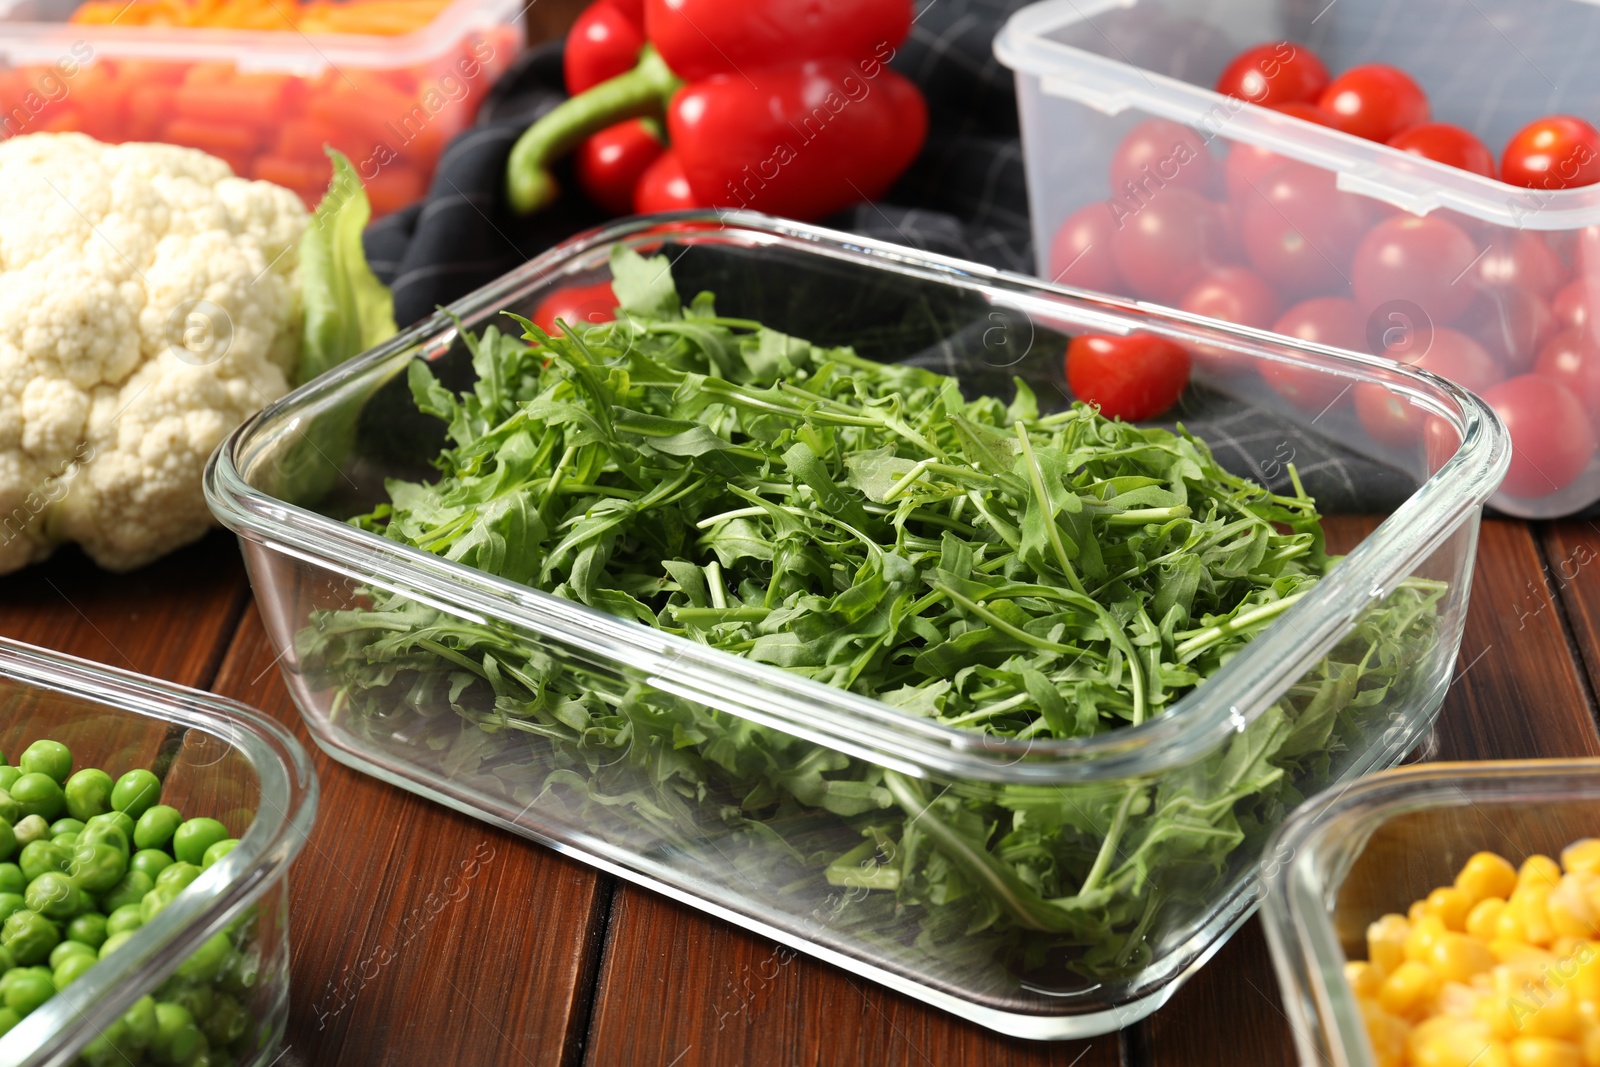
[641, 92]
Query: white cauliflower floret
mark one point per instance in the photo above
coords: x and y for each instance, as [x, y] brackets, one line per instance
[149, 303]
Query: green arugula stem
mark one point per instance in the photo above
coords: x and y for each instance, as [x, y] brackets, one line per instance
[1240, 623]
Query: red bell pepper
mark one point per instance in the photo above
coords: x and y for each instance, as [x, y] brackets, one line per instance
[779, 106]
[605, 41]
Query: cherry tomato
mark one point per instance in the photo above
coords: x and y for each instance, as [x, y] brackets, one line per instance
[1231, 294]
[1162, 248]
[1521, 258]
[1572, 358]
[1277, 72]
[1080, 252]
[1423, 261]
[1158, 153]
[1134, 377]
[1392, 418]
[1375, 101]
[1246, 166]
[577, 305]
[602, 43]
[610, 163]
[663, 187]
[1307, 112]
[1571, 305]
[1447, 144]
[1555, 152]
[1323, 320]
[1511, 323]
[1300, 231]
[1551, 439]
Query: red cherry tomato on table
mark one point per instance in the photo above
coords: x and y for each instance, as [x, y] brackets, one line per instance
[1551, 439]
[1323, 320]
[1231, 294]
[1130, 378]
[1300, 231]
[577, 305]
[1511, 323]
[1555, 152]
[1572, 358]
[663, 187]
[1080, 252]
[602, 43]
[1277, 72]
[1571, 304]
[1423, 261]
[1375, 101]
[610, 163]
[1394, 420]
[1162, 248]
[1158, 153]
[1447, 144]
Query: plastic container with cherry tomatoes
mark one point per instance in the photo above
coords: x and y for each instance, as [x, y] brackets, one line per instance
[1293, 215]
[266, 101]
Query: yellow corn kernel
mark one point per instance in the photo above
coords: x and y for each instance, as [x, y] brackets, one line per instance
[1387, 1033]
[1521, 954]
[1567, 948]
[1487, 875]
[1582, 855]
[1538, 869]
[1586, 983]
[1483, 916]
[1409, 989]
[1456, 957]
[1458, 1000]
[1418, 909]
[1508, 926]
[1364, 978]
[1547, 1014]
[1386, 941]
[1530, 904]
[1571, 914]
[1424, 932]
[1591, 1046]
[1545, 1052]
[1458, 1043]
[1451, 905]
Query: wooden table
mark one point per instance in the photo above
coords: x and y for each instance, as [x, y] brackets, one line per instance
[423, 937]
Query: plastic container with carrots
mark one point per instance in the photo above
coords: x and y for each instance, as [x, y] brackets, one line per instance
[264, 84]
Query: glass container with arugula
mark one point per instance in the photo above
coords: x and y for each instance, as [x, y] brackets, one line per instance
[805, 592]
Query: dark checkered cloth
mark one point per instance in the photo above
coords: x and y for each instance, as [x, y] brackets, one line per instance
[965, 196]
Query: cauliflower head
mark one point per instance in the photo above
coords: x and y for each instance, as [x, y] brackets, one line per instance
[149, 302]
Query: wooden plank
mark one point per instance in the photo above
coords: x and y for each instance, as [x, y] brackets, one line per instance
[1570, 580]
[678, 987]
[419, 935]
[1517, 695]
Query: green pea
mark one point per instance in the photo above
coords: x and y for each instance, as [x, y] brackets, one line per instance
[96, 868]
[135, 793]
[108, 1049]
[73, 969]
[106, 833]
[151, 861]
[10, 904]
[11, 880]
[157, 899]
[113, 818]
[198, 999]
[8, 1020]
[88, 929]
[8, 840]
[217, 851]
[28, 990]
[225, 1023]
[179, 875]
[124, 919]
[70, 948]
[66, 826]
[9, 775]
[88, 793]
[114, 942]
[129, 890]
[177, 1037]
[39, 794]
[31, 829]
[53, 895]
[208, 960]
[156, 826]
[243, 973]
[41, 856]
[66, 841]
[140, 1019]
[29, 936]
[10, 810]
[190, 841]
[49, 758]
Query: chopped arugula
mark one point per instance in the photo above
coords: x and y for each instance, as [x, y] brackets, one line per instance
[972, 562]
